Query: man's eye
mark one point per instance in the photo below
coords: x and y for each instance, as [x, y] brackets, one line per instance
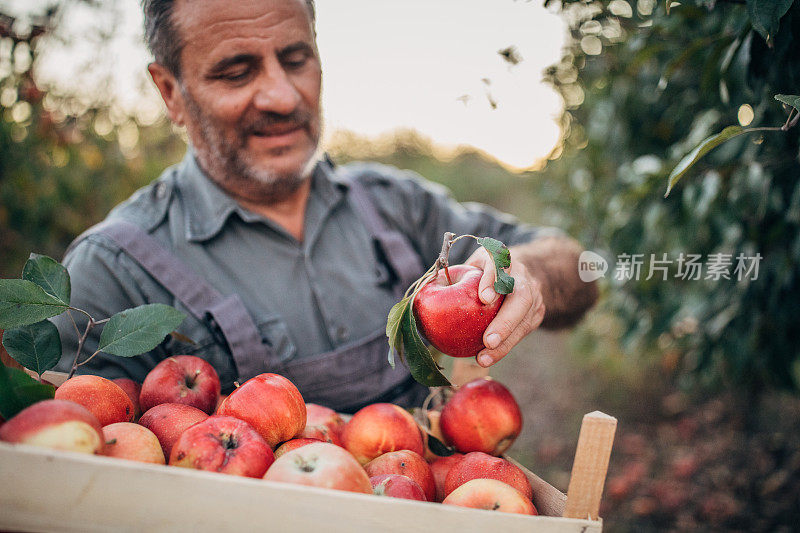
[235, 75]
[295, 60]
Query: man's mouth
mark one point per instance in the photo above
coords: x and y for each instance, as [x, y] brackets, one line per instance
[279, 129]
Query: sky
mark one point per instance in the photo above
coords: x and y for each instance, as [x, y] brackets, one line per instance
[432, 66]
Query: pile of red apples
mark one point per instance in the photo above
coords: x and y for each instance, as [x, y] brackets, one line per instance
[264, 429]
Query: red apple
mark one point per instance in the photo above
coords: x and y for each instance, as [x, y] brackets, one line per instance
[405, 463]
[482, 416]
[380, 428]
[321, 464]
[57, 424]
[491, 495]
[271, 404]
[126, 440]
[318, 415]
[223, 444]
[132, 389]
[181, 379]
[168, 420]
[322, 433]
[478, 465]
[293, 444]
[452, 316]
[397, 486]
[104, 398]
[440, 468]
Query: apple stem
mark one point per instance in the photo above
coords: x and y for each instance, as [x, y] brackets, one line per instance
[444, 256]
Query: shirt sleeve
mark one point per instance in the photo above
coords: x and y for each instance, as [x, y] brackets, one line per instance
[424, 211]
[103, 283]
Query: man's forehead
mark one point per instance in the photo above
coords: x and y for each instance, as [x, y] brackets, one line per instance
[201, 19]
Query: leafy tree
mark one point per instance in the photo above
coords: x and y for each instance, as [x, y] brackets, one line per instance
[643, 87]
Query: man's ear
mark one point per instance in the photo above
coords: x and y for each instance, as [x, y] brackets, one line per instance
[170, 92]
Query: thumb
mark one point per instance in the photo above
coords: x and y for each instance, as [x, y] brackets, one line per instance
[486, 290]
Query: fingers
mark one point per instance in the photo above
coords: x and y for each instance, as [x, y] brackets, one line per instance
[522, 312]
[483, 260]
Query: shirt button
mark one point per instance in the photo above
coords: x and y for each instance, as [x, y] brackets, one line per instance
[161, 190]
[342, 333]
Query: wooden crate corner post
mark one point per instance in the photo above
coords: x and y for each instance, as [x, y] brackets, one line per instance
[590, 467]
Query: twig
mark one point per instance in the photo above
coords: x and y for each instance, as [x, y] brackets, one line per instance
[80, 344]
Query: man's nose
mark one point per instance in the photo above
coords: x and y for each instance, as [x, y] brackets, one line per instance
[276, 92]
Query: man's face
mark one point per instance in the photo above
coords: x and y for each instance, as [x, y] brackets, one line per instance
[249, 93]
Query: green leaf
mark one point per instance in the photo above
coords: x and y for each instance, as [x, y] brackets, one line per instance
[37, 346]
[393, 329]
[404, 340]
[789, 99]
[438, 447]
[765, 15]
[23, 302]
[700, 150]
[138, 330]
[49, 274]
[18, 390]
[420, 361]
[504, 284]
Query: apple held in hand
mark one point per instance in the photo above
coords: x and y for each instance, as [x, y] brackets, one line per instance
[182, 379]
[56, 424]
[451, 315]
[491, 495]
[223, 444]
[321, 464]
[482, 416]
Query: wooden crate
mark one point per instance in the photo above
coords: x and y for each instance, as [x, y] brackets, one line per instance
[48, 490]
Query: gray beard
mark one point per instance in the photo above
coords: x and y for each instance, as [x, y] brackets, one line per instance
[227, 166]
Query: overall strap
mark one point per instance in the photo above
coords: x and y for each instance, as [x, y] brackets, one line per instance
[402, 257]
[225, 313]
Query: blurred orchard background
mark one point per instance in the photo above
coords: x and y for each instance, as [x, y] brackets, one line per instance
[570, 114]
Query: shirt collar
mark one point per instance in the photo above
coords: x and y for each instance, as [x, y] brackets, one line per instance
[207, 207]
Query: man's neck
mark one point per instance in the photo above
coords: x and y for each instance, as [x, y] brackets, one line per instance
[289, 214]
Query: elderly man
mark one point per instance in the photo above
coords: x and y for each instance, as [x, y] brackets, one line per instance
[283, 262]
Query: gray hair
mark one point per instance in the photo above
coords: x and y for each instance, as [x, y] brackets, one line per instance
[162, 35]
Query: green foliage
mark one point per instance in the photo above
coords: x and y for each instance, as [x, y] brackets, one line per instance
[37, 346]
[504, 284]
[18, 390]
[66, 161]
[23, 302]
[662, 84]
[138, 330]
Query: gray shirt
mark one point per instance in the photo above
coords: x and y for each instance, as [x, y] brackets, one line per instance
[305, 297]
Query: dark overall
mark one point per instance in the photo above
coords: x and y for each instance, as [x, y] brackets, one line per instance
[345, 379]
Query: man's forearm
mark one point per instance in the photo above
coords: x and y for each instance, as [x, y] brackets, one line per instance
[553, 261]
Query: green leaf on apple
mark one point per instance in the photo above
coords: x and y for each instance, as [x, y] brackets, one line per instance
[36, 346]
[438, 447]
[49, 274]
[405, 341]
[23, 302]
[138, 330]
[18, 390]
[504, 284]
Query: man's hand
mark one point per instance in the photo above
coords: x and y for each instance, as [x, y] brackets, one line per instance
[522, 310]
